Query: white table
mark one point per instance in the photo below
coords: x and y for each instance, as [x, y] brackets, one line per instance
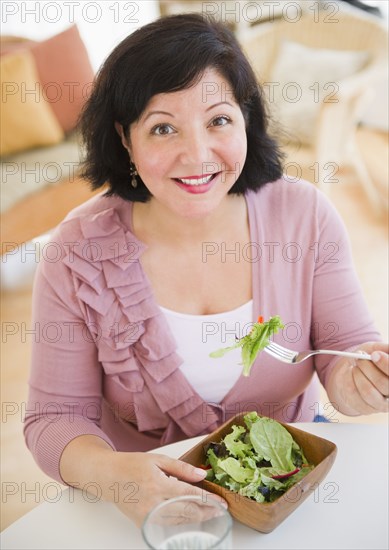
[349, 509]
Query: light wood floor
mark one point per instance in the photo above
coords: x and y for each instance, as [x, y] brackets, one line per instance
[24, 486]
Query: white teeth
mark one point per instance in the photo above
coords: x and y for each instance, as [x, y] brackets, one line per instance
[197, 181]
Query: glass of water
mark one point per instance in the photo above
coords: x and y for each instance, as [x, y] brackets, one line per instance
[188, 523]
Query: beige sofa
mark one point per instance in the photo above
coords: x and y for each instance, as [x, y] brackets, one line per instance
[39, 146]
[38, 188]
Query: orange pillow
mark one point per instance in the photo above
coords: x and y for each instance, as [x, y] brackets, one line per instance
[66, 74]
[26, 119]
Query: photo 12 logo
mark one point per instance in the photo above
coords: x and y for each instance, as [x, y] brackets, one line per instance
[72, 12]
[260, 12]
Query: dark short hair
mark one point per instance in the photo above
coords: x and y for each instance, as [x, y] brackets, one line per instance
[168, 55]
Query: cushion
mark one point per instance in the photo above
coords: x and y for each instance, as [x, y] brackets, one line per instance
[11, 44]
[18, 76]
[303, 78]
[66, 74]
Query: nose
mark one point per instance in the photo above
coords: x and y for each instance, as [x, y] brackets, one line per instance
[195, 148]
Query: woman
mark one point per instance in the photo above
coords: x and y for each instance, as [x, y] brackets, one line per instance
[198, 234]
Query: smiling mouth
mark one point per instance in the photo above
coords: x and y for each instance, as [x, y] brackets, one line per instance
[197, 180]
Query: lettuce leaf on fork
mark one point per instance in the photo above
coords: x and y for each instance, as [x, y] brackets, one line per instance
[253, 342]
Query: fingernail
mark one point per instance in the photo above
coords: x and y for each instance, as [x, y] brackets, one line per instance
[200, 472]
[375, 356]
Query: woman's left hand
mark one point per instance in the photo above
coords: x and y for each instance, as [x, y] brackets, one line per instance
[359, 386]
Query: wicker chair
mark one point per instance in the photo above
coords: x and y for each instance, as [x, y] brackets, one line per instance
[335, 140]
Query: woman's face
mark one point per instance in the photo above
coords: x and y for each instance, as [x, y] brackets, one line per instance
[189, 147]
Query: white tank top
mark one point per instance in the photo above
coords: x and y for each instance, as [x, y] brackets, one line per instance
[198, 335]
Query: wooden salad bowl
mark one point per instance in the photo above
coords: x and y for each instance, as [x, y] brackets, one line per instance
[264, 517]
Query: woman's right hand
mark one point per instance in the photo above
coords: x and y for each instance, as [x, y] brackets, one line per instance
[135, 482]
[140, 481]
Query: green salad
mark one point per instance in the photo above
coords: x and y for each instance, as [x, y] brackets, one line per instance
[260, 462]
[254, 342]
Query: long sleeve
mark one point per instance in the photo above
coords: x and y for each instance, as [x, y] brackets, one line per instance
[340, 314]
[302, 271]
[65, 397]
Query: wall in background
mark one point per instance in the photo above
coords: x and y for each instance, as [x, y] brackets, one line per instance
[102, 24]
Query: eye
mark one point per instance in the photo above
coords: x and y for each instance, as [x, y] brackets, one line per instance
[220, 120]
[162, 130]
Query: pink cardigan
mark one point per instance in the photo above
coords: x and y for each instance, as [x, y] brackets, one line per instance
[105, 362]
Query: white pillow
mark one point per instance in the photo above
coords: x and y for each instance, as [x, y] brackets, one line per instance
[302, 78]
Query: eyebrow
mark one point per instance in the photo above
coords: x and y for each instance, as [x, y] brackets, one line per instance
[151, 113]
[217, 105]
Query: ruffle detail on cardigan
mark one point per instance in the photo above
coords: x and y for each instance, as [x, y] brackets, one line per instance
[135, 345]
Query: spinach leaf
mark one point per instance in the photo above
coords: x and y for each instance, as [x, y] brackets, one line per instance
[273, 442]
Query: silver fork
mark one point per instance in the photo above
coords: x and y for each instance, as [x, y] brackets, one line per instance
[290, 356]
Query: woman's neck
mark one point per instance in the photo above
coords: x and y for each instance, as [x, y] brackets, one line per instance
[152, 222]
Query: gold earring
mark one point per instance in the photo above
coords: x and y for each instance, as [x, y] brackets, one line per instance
[133, 174]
